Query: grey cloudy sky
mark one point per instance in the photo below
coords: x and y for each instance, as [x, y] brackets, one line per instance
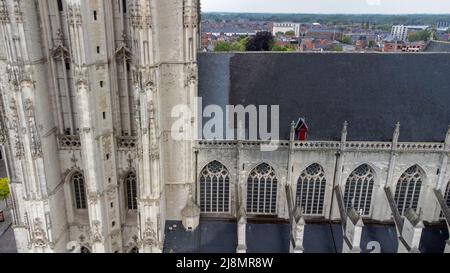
[328, 6]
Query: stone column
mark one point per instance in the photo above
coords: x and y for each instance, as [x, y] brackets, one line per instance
[241, 190]
[411, 233]
[447, 247]
[298, 231]
[31, 129]
[241, 232]
[90, 166]
[353, 232]
[89, 144]
[149, 169]
[290, 166]
[334, 214]
[382, 211]
[443, 169]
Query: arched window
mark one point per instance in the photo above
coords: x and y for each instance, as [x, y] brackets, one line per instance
[84, 249]
[131, 188]
[447, 198]
[447, 195]
[262, 187]
[358, 190]
[215, 188]
[408, 189]
[134, 250]
[311, 190]
[79, 190]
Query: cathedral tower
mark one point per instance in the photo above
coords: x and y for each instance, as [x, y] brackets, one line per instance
[87, 120]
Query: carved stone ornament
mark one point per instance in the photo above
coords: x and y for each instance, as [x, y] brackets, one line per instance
[191, 77]
[38, 235]
[149, 235]
[36, 147]
[93, 198]
[111, 191]
[190, 13]
[4, 15]
[154, 154]
[18, 146]
[74, 14]
[18, 11]
[96, 235]
[81, 78]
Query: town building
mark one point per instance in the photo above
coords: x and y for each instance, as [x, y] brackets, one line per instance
[401, 32]
[328, 34]
[442, 25]
[285, 27]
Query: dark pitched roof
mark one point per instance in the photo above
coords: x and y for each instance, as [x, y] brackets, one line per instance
[438, 46]
[221, 237]
[371, 91]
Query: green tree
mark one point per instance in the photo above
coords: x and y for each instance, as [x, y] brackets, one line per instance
[279, 33]
[290, 33]
[236, 46]
[222, 46]
[371, 44]
[263, 41]
[423, 35]
[337, 48]
[4, 189]
[243, 41]
[346, 40]
[285, 48]
[279, 48]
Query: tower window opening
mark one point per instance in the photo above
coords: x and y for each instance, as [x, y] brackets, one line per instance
[60, 5]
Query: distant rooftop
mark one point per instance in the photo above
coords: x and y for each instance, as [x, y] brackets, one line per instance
[438, 46]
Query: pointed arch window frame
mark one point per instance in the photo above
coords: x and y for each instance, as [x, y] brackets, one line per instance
[78, 186]
[360, 184]
[447, 194]
[310, 191]
[131, 191]
[446, 198]
[262, 200]
[414, 174]
[214, 182]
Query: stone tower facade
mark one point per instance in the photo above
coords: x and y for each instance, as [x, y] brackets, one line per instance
[87, 92]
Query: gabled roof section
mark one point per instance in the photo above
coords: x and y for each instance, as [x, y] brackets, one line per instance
[371, 91]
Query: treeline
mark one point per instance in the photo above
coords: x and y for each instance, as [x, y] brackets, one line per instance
[332, 19]
[263, 41]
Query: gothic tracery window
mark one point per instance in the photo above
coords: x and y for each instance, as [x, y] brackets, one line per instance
[262, 189]
[79, 190]
[447, 195]
[358, 190]
[408, 188]
[131, 191]
[215, 188]
[447, 198]
[311, 190]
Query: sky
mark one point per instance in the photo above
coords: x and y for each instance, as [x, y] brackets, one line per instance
[328, 6]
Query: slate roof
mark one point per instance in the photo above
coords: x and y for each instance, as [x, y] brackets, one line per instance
[371, 91]
[438, 46]
[215, 236]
